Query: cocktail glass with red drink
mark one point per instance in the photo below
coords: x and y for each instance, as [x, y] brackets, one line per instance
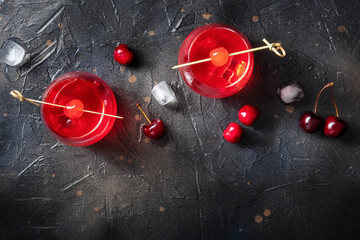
[80, 90]
[206, 78]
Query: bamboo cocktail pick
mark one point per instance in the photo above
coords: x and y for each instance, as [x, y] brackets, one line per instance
[18, 95]
[271, 46]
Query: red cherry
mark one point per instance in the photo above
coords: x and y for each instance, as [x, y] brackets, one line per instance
[155, 130]
[335, 127]
[248, 114]
[219, 56]
[74, 109]
[310, 122]
[233, 133]
[123, 54]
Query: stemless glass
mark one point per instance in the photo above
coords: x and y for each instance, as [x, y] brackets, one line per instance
[95, 95]
[207, 79]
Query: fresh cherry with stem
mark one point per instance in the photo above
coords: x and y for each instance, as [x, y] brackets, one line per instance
[155, 129]
[309, 121]
[334, 125]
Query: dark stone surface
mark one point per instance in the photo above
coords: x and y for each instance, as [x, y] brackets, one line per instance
[192, 184]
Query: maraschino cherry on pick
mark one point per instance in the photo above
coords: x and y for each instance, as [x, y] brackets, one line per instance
[155, 129]
[219, 56]
[74, 109]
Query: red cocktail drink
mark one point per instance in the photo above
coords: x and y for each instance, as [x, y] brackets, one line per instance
[206, 78]
[93, 94]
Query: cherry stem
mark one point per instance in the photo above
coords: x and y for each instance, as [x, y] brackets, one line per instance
[332, 98]
[138, 105]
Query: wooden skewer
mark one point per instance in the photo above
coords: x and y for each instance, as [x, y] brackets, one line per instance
[18, 95]
[271, 46]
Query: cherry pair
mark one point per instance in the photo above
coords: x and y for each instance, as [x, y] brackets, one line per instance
[333, 126]
[247, 115]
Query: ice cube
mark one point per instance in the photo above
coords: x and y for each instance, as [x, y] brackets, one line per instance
[12, 53]
[290, 92]
[164, 95]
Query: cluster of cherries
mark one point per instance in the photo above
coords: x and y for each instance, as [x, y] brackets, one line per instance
[247, 115]
[156, 128]
[333, 126]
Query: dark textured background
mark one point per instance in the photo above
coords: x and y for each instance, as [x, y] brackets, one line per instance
[192, 184]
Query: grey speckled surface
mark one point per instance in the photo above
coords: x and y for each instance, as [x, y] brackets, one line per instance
[192, 184]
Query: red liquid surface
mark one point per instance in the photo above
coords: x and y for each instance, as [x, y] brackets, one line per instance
[88, 128]
[206, 78]
[67, 91]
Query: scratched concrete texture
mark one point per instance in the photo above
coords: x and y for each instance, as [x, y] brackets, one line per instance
[277, 183]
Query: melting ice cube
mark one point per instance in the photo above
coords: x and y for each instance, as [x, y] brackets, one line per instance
[164, 95]
[12, 53]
